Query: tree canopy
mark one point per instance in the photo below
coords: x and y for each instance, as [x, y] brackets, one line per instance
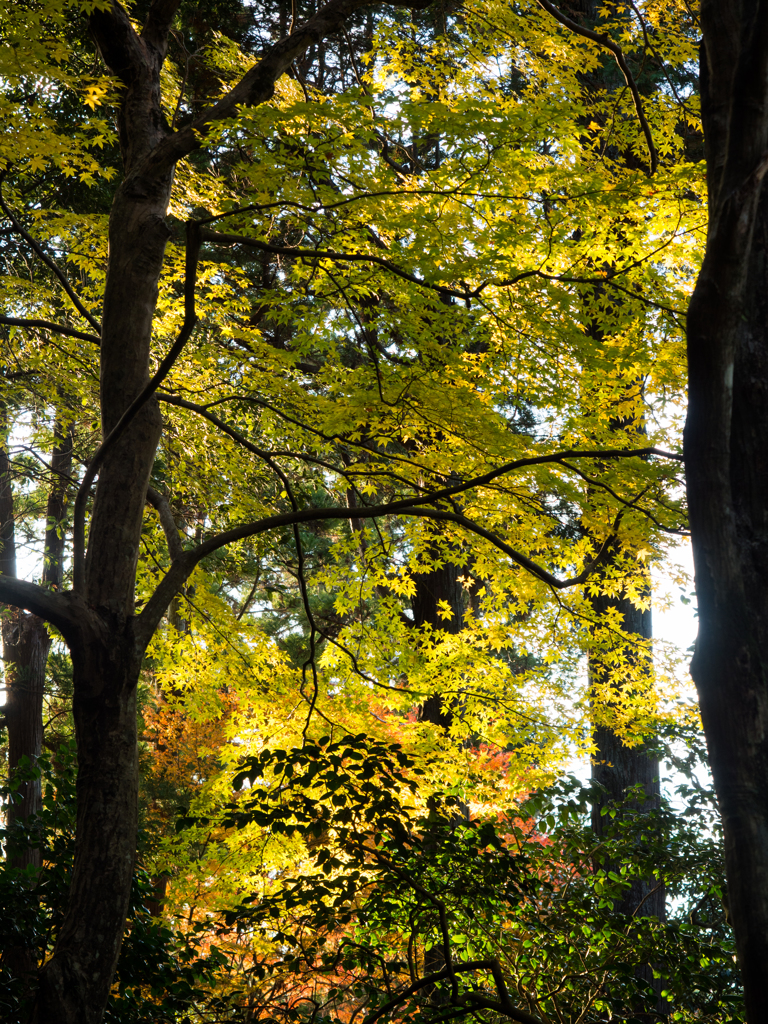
[338, 313]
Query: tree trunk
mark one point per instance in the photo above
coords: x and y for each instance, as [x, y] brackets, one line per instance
[441, 584]
[26, 643]
[75, 983]
[97, 618]
[726, 451]
[617, 768]
[25, 654]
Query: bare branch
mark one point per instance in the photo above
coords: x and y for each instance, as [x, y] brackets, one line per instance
[47, 325]
[51, 264]
[160, 504]
[605, 40]
[57, 609]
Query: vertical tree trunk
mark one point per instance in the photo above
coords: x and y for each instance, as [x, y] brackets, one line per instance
[75, 983]
[441, 584]
[26, 644]
[25, 649]
[26, 641]
[617, 768]
[726, 452]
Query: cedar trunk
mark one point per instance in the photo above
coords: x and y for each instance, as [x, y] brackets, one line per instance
[726, 450]
[617, 768]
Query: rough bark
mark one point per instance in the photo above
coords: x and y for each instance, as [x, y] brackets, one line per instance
[26, 641]
[726, 450]
[25, 653]
[75, 983]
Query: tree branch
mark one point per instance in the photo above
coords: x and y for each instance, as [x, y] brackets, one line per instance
[183, 566]
[51, 264]
[57, 609]
[257, 85]
[158, 23]
[221, 238]
[605, 40]
[47, 325]
[504, 1006]
[160, 504]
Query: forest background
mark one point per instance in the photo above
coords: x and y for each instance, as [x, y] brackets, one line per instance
[419, 458]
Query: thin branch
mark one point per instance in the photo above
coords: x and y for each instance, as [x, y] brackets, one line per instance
[160, 504]
[50, 263]
[605, 40]
[190, 320]
[47, 325]
[221, 238]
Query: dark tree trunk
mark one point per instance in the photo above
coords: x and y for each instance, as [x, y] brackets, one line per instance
[26, 644]
[25, 653]
[75, 983]
[726, 451]
[617, 768]
[26, 641]
[441, 584]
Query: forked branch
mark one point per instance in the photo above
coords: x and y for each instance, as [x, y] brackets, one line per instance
[603, 39]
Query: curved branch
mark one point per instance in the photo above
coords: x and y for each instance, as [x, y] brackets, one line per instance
[160, 504]
[258, 84]
[504, 1006]
[183, 566]
[221, 238]
[48, 325]
[51, 264]
[55, 608]
[605, 40]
